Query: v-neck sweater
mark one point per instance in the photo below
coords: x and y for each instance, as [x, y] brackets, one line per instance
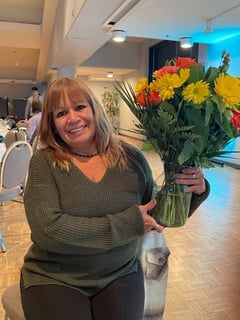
[84, 234]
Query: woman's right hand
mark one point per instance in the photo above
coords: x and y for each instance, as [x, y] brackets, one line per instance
[149, 222]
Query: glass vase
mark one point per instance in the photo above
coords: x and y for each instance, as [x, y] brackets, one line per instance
[172, 207]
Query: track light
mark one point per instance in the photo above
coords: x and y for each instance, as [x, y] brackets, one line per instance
[208, 26]
[118, 35]
[186, 42]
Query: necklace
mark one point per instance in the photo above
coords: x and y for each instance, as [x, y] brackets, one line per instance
[82, 155]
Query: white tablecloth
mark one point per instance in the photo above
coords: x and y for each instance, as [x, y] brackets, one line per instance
[3, 130]
[2, 150]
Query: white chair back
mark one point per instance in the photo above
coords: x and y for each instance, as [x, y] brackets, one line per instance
[14, 168]
[22, 124]
[14, 135]
[13, 174]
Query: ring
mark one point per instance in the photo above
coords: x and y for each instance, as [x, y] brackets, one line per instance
[194, 175]
[156, 225]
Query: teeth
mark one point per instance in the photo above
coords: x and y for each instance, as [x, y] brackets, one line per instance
[75, 130]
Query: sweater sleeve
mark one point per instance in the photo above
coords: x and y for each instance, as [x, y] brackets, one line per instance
[57, 231]
[198, 199]
[139, 162]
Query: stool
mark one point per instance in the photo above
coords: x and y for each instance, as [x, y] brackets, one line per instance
[11, 301]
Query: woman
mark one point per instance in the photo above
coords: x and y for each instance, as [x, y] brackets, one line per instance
[87, 201]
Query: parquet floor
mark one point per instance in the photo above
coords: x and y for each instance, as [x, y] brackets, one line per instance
[204, 276]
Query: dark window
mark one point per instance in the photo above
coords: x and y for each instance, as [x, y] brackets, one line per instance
[166, 50]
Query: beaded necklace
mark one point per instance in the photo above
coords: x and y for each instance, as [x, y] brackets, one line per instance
[82, 155]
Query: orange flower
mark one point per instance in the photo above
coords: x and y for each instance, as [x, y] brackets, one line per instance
[185, 62]
[152, 99]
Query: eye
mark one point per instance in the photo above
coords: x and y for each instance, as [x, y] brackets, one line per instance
[80, 107]
[60, 114]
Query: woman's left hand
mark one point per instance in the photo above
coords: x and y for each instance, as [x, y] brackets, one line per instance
[193, 179]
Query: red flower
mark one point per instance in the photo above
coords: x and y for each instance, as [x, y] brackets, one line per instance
[235, 121]
[185, 62]
[166, 69]
[152, 99]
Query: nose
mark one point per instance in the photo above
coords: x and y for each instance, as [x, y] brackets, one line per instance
[71, 115]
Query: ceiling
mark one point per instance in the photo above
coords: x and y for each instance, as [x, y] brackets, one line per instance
[39, 36]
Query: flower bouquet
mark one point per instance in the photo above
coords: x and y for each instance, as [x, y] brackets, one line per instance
[188, 115]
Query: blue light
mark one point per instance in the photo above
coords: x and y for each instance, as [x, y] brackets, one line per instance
[216, 36]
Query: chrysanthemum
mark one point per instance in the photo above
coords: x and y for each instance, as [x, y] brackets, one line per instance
[142, 85]
[163, 86]
[179, 79]
[196, 92]
[228, 88]
[166, 84]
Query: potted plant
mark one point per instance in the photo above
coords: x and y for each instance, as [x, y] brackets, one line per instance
[110, 101]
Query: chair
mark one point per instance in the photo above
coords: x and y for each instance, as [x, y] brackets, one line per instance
[22, 124]
[11, 302]
[14, 135]
[13, 173]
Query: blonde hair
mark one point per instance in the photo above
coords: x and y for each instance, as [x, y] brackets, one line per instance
[107, 141]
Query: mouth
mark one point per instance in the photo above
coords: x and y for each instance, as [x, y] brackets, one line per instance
[77, 129]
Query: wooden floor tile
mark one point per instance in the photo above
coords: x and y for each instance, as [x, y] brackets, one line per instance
[204, 276]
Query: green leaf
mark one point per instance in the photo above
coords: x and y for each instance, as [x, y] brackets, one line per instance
[208, 111]
[196, 74]
[187, 152]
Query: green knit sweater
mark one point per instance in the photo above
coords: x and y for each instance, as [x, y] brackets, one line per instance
[85, 234]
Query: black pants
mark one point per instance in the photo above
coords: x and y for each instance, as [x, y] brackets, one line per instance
[121, 300]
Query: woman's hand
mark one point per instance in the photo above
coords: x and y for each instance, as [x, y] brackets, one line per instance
[193, 179]
[149, 222]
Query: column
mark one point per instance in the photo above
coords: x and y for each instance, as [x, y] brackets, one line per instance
[67, 71]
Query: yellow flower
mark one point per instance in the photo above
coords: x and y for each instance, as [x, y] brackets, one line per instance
[228, 88]
[183, 76]
[163, 86]
[196, 92]
[181, 134]
[142, 85]
[166, 84]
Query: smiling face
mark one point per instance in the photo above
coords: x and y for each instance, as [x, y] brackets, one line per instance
[73, 120]
[75, 123]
